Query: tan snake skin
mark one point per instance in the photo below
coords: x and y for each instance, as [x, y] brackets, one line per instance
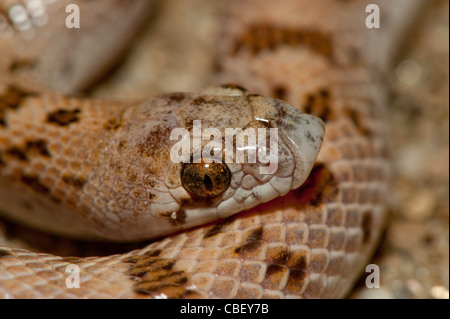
[312, 243]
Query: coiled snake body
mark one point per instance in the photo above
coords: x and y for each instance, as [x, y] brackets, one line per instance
[95, 168]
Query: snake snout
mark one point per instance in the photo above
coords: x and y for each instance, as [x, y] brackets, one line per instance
[303, 134]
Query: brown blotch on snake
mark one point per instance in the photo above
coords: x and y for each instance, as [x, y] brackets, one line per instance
[268, 37]
[156, 276]
[252, 242]
[4, 253]
[156, 141]
[11, 99]
[279, 92]
[277, 255]
[355, 117]
[318, 104]
[218, 227]
[201, 100]
[22, 64]
[38, 146]
[274, 277]
[151, 253]
[274, 269]
[31, 148]
[255, 235]
[297, 260]
[112, 124]
[35, 184]
[77, 182]
[319, 188]
[177, 97]
[280, 262]
[366, 225]
[296, 280]
[17, 153]
[63, 117]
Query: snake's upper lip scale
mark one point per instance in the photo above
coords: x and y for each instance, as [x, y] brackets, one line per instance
[303, 133]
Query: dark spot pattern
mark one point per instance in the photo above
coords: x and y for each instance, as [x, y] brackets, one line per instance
[176, 218]
[55, 199]
[252, 242]
[216, 229]
[17, 153]
[155, 275]
[366, 225]
[112, 124]
[177, 97]
[38, 146]
[77, 182]
[274, 269]
[356, 119]
[34, 183]
[219, 227]
[4, 253]
[63, 117]
[267, 37]
[11, 99]
[31, 148]
[255, 235]
[296, 280]
[297, 261]
[156, 141]
[21, 64]
[279, 92]
[309, 137]
[122, 145]
[277, 256]
[319, 188]
[318, 104]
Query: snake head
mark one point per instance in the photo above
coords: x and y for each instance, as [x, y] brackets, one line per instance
[240, 150]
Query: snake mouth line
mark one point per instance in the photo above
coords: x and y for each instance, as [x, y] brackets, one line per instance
[303, 134]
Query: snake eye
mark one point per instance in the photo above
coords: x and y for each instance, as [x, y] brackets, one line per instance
[205, 180]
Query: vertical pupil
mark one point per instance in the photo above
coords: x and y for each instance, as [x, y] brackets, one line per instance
[207, 182]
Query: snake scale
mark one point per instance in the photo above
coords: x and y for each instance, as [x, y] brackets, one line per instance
[312, 242]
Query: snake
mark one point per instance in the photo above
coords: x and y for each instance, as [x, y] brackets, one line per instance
[99, 169]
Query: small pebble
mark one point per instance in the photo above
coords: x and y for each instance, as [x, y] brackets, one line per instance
[420, 207]
[439, 292]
